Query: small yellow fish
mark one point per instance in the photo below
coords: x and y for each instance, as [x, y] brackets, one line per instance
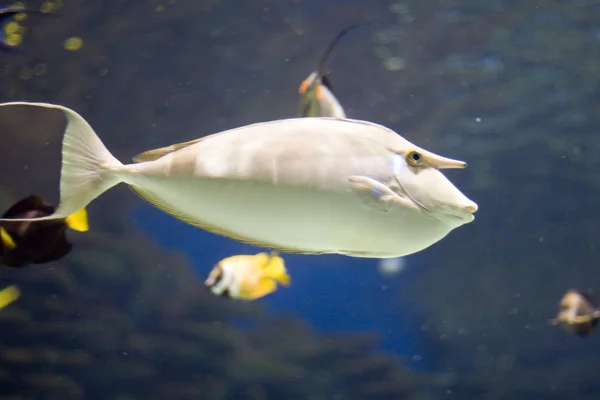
[578, 313]
[248, 277]
[8, 295]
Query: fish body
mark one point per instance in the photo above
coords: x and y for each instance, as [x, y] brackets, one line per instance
[5, 14]
[316, 94]
[248, 277]
[36, 242]
[578, 313]
[301, 185]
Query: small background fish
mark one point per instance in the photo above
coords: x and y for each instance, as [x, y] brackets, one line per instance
[248, 277]
[317, 98]
[578, 313]
[11, 31]
[23, 243]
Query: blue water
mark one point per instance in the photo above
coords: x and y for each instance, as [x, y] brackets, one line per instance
[333, 293]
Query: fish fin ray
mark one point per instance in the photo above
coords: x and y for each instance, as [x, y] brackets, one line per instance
[155, 154]
[88, 168]
[161, 205]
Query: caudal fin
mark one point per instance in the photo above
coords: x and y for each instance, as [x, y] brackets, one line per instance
[88, 168]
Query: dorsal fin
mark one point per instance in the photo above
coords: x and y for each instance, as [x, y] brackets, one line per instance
[155, 154]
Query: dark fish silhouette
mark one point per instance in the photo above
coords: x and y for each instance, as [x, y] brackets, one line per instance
[31, 242]
[5, 14]
[316, 95]
[578, 313]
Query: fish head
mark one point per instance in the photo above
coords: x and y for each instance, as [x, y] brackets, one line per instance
[308, 83]
[310, 93]
[216, 280]
[417, 172]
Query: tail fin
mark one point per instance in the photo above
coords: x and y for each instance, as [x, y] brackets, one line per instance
[88, 168]
[275, 269]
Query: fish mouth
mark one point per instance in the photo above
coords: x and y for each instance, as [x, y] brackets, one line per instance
[209, 282]
[452, 211]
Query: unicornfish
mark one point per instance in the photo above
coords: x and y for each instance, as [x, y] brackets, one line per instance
[301, 185]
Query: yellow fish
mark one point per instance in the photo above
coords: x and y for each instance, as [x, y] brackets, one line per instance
[8, 295]
[248, 277]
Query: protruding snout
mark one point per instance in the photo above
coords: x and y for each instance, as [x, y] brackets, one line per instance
[471, 207]
[440, 162]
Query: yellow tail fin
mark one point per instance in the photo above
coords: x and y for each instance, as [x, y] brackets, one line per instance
[8, 295]
[78, 221]
[275, 268]
[6, 239]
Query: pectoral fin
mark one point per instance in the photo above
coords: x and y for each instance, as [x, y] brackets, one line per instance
[374, 193]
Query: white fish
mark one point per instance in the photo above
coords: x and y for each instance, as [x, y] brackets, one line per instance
[301, 185]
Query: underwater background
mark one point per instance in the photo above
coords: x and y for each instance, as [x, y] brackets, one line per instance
[510, 86]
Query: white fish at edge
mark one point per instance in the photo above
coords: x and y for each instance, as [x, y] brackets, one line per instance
[300, 185]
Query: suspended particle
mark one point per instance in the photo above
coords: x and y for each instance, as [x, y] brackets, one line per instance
[394, 64]
[26, 73]
[73, 44]
[40, 69]
[391, 266]
[49, 6]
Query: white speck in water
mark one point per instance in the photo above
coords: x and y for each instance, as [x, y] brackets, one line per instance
[394, 64]
[391, 266]
[477, 119]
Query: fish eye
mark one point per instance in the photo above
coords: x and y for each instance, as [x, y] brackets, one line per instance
[414, 158]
